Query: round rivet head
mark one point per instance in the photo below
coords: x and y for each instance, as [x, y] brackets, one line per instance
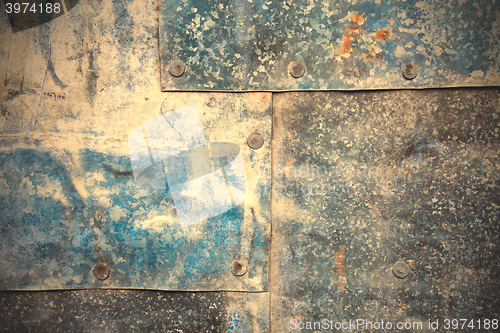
[410, 71]
[176, 68]
[255, 141]
[239, 267]
[401, 270]
[297, 69]
[101, 271]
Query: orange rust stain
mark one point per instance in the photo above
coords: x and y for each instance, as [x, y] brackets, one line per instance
[381, 34]
[359, 19]
[353, 32]
[265, 98]
[346, 45]
[295, 318]
[340, 263]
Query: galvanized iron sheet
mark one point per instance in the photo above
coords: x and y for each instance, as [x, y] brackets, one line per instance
[133, 311]
[386, 207]
[81, 109]
[250, 45]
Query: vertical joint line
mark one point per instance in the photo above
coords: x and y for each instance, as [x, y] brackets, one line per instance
[271, 198]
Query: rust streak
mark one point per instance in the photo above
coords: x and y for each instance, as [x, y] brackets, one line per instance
[353, 32]
[346, 45]
[381, 34]
[295, 320]
[265, 98]
[287, 168]
[340, 263]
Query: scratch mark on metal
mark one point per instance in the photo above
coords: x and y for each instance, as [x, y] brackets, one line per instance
[40, 127]
[8, 59]
[97, 219]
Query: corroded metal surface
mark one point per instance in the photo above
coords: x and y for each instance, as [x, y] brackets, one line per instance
[132, 311]
[385, 203]
[250, 45]
[72, 92]
[364, 181]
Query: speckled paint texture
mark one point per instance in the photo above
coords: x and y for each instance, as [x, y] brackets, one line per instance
[364, 180]
[132, 311]
[249, 44]
[72, 91]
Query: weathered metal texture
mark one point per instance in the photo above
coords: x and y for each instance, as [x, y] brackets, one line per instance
[253, 45]
[364, 181]
[132, 311]
[73, 91]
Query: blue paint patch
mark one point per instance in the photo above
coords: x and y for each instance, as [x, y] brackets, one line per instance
[51, 237]
[235, 322]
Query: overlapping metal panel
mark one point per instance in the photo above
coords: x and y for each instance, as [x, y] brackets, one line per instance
[348, 44]
[386, 208]
[104, 174]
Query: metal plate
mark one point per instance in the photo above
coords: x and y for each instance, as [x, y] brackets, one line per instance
[133, 311]
[252, 45]
[73, 92]
[68, 206]
[385, 207]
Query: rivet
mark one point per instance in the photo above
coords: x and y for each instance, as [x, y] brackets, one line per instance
[176, 68]
[297, 69]
[101, 271]
[410, 71]
[401, 270]
[239, 267]
[255, 141]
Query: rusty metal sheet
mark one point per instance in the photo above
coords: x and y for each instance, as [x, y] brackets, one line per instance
[254, 45]
[385, 207]
[104, 176]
